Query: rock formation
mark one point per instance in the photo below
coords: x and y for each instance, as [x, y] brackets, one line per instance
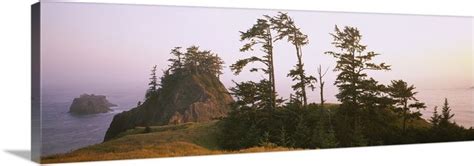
[184, 98]
[90, 104]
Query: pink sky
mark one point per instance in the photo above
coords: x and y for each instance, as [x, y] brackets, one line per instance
[96, 46]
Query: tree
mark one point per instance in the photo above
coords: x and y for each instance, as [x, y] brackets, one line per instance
[286, 28]
[404, 97]
[177, 61]
[446, 116]
[252, 95]
[195, 61]
[435, 118]
[356, 88]
[358, 93]
[153, 84]
[444, 129]
[259, 34]
[283, 139]
[217, 68]
[323, 134]
[321, 74]
[301, 136]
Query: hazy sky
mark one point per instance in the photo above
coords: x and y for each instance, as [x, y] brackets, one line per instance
[95, 46]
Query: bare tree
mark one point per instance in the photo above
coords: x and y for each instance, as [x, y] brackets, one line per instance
[321, 74]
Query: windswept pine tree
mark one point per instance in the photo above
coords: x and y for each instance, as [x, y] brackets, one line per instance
[286, 28]
[360, 95]
[194, 60]
[177, 59]
[405, 100]
[259, 34]
[356, 88]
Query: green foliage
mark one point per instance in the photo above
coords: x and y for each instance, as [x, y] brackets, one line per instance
[436, 118]
[252, 96]
[404, 98]
[356, 88]
[323, 135]
[444, 129]
[359, 94]
[259, 34]
[153, 89]
[283, 139]
[370, 113]
[194, 60]
[446, 115]
[286, 28]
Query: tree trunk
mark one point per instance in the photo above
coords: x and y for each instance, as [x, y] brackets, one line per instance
[302, 76]
[271, 70]
[321, 89]
[405, 109]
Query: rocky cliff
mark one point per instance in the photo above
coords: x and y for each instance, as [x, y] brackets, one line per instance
[185, 98]
[90, 104]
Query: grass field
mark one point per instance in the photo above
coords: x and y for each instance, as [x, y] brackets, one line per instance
[163, 141]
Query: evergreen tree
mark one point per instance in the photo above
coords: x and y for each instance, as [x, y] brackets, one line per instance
[259, 34]
[265, 140]
[301, 136]
[358, 93]
[283, 139]
[246, 94]
[358, 137]
[286, 28]
[152, 90]
[253, 96]
[177, 61]
[356, 88]
[196, 61]
[446, 116]
[444, 129]
[324, 136]
[435, 118]
[404, 97]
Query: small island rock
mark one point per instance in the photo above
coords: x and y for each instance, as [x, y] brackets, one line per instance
[90, 104]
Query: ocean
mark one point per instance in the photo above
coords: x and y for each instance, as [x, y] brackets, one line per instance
[460, 101]
[63, 132]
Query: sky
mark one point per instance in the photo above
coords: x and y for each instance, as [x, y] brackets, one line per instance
[94, 47]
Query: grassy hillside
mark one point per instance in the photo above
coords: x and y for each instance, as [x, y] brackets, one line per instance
[163, 141]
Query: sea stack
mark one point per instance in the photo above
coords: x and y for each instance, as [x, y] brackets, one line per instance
[90, 104]
[184, 98]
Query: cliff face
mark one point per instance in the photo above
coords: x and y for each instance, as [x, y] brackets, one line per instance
[188, 98]
[90, 104]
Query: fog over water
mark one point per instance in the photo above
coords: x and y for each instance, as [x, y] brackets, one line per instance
[110, 49]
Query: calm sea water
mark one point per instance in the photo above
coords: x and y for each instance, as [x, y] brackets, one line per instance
[460, 100]
[63, 132]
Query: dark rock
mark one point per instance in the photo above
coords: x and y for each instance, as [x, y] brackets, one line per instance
[90, 104]
[185, 98]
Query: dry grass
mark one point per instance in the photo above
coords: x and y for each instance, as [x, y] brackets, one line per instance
[188, 139]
